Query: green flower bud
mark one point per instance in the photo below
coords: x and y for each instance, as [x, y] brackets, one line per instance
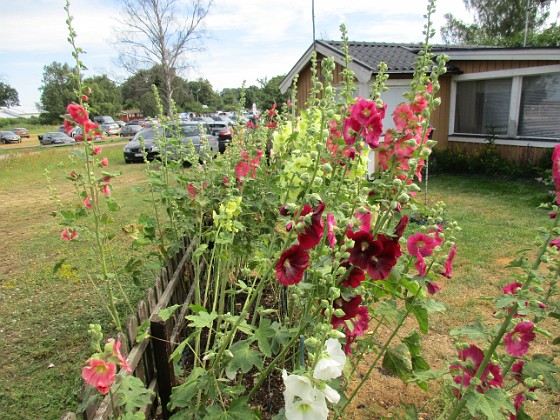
[305, 177]
[324, 303]
[312, 342]
[336, 334]
[339, 313]
[334, 293]
[318, 181]
[326, 168]
[403, 198]
[397, 182]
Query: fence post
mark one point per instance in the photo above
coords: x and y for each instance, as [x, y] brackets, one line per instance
[164, 369]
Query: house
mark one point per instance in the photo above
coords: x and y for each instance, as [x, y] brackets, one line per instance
[509, 94]
[19, 112]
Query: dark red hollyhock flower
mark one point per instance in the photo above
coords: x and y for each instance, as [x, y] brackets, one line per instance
[292, 264]
[353, 276]
[354, 313]
[382, 262]
[313, 233]
[364, 246]
[517, 341]
[517, 370]
[400, 228]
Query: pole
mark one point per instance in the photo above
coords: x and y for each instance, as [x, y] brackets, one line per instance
[313, 20]
[526, 24]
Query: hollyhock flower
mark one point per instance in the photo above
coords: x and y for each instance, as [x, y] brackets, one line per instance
[555, 242]
[292, 264]
[89, 91]
[302, 400]
[364, 216]
[354, 276]
[116, 349]
[420, 264]
[364, 111]
[511, 288]
[350, 130]
[517, 370]
[104, 162]
[78, 113]
[420, 242]
[242, 170]
[556, 171]
[271, 124]
[226, 180]
[87, 203]
[68, 234]
[400, 228]
[517, 403]
[68, 127]
[192, 190]
[90, 126]
[106, 190]
[97, 150]
[377, 257]
[517, 341]
[84, 98]
[448, 271]
[354, 314]
[331, 362]
[99, 374]
[433, 288]
[313, 233]
[360, 252]
[435, 233]
[473, 357]
[401, 116]
[420, 103]
[331, 223]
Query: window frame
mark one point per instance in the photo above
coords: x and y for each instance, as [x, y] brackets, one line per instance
[511, 138]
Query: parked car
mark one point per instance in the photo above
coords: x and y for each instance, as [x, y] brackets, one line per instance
[107, 124]
[9, 137]
[190, 134]
[131, 128]
[55, 137]
[222, 130]
[77, 134]
[22, 132]
[121, 123]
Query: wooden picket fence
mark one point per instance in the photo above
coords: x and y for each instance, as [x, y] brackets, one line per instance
[149, 359]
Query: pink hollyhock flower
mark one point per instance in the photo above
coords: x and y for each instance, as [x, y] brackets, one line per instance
[90, 126]
[104, 162]
[117, 353]
[350, 130]
[433, 288]
[78, 113]
[364, 111]
[373, 133]
[364, 219]
[312, 234]
[555, 242]
[89, 91]
[292, 264]
[271, 124]
[435, 233]
[511, 288]
[517, 403]
[331, 223]
[355, 314]
[353, 277]
[448, 270]
[420, 103]
[556, 171]
[517, 341]
[242, 170]
[226, 180]
[68, 234]
[97, 150]
[420, 265]
[401, 226]
[245, 155]
[517, 370]
[473, 357]
[192, 190]
[99, 374]
[84, 98]
[68, 127]
[401, 116]
[87, 203]
[422, 243]
[106, 190]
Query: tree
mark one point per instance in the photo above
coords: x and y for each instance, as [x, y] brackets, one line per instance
[8, 95]
[270, 92]
[57, 90]
[105, 96]
[161, 32]
[498, 22]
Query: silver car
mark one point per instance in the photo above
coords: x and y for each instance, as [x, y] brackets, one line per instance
[9, 137]
[55, 138]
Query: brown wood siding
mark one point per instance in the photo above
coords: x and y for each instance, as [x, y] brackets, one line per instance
[468, 67]
[440, 116]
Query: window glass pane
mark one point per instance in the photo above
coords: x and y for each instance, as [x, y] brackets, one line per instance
[482, 106]
[540, 106]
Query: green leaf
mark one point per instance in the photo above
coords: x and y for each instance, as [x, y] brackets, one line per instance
[200, 250]
[389, 310]
[489, 404]
[244, 358]
[397, 361]
[554, 315]
[238, 410]
[264, 335]
[132, 394]
[473, 331]
[202, 320]
[556, 341]
[112, 205]
[421, 315]
[166, 313]
[433, 306]
[58, 265]
[183, 395]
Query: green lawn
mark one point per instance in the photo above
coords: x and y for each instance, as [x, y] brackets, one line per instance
[45, 316]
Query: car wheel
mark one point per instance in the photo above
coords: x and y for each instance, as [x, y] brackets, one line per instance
[128, 162]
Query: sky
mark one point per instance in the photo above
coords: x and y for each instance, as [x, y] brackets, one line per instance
[247, 40]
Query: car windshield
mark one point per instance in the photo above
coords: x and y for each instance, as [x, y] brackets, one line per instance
[5, 133]
[185, 131]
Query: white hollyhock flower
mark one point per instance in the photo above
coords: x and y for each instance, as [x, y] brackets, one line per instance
[331, 362]
[297, 386]
[308, 409]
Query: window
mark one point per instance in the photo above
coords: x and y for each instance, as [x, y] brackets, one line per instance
[483, 106]
[511, 104]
